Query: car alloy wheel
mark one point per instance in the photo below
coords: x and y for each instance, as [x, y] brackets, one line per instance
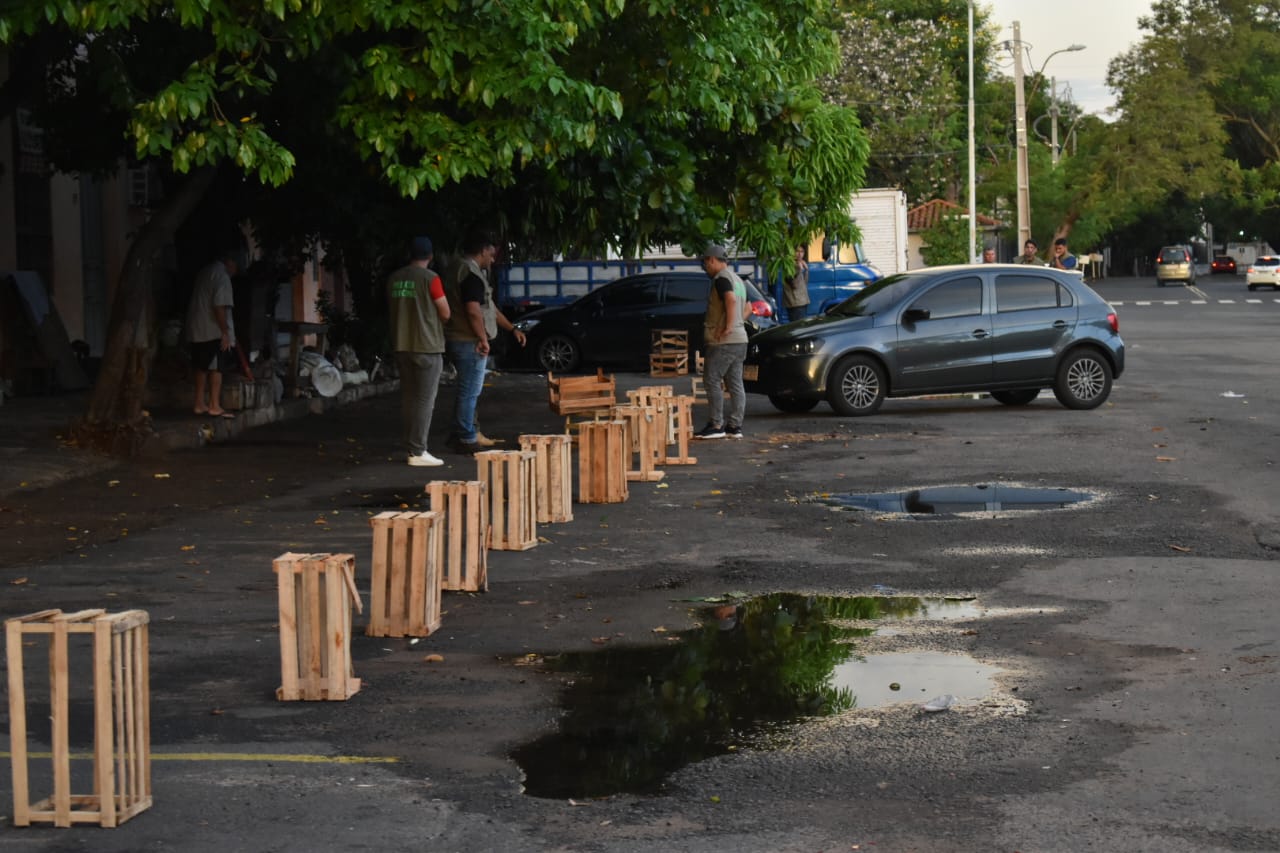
[1084, 380]
[558, 353]
[856, 386]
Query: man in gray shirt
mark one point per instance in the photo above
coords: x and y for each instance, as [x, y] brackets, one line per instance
[211, 330]
[725, 340]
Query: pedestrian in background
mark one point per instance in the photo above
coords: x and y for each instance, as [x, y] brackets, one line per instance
[211, 330]
[472, 328]
[1029, 254]
[725, 340]
[1062, 257]
[795, 290]
[988, 255]
[418, 310]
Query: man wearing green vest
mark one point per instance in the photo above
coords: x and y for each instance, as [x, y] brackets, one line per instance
[725, 341]
[419, 311]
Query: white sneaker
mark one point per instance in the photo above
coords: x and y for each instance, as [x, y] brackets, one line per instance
[425, 460]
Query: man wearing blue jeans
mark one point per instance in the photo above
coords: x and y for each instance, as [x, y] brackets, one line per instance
[474, 324]
[725, 340]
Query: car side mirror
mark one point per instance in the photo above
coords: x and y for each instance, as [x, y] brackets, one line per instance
[915, 315]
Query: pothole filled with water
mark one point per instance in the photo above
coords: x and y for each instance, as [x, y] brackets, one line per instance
[632, 715]
[981, 499]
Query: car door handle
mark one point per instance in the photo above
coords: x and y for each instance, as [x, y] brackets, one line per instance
[1059, 324]
[979, 333]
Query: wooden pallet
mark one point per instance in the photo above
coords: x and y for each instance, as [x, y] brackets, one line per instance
[682, 416]
[552, 476]
[602, 462]
[316, 592]
[513, 518]
[121, 691]
[404, 591]
[465, 534]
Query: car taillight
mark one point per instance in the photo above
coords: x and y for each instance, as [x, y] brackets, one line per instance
[1113, 320]
[760, 308]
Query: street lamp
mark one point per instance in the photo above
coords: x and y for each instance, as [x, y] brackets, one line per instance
[973, 196]
[1020, 126]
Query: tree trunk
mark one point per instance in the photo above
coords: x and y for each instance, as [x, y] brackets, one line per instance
[115, 420]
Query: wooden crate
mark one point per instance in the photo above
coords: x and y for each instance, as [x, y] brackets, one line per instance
[669, 364]
[646, 438]
[465, 534]
[316, 592]
[669, 340]
[121, 690]
[603, 452]
[659, 397]
[513, 519]
[404, 593]
[682, 417]
[552, 475]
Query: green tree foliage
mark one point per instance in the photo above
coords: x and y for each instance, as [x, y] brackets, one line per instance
[574, 123]
[947, 242]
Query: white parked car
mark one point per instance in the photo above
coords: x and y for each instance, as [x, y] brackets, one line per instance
[1265, 270]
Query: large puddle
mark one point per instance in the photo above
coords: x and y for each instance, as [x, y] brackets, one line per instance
[984, 498]
[632, 715]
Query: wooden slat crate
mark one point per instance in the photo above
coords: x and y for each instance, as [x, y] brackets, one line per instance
[121, 690]
[669, 364]
[552, 475]
[465, 506]
[602, 462]
[646, 436]
[404, 593]
[513, 519]
[316, 592]
[659, 397]
[682, 416]
[669, 340]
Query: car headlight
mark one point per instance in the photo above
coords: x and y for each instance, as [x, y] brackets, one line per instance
[804, 346]
[525, 326]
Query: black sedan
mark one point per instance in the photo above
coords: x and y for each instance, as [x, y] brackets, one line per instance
[613, 324]
[1002, 328]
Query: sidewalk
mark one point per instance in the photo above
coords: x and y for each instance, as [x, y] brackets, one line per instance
[34, 452]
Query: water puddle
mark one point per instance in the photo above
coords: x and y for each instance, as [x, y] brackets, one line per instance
[632, 715]
[982, 499]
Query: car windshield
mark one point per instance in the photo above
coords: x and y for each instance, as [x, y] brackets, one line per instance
[877, 297]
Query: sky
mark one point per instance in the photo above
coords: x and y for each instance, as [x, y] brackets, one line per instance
[1106, 28]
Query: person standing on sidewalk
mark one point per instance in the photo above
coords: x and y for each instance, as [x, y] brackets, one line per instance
[418, 310]
[212, 331]
[795, 290]
[474, 324]
[725, 339]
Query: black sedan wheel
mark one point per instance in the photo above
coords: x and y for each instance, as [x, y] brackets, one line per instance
[1084, 380]
[856, 386]
[559, 353]
[1015, 398]
[793, 405]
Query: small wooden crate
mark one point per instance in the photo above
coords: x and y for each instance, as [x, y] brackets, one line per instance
[513, 519]
[316, 592]
[669, 353]
[669, 340]
[647, 435]
[465, 534]
[404, 594]
[603, 452]
[682, 416]
[552, 475]
[121, 689]
[659, 397]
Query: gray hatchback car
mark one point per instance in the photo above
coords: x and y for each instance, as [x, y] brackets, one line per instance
[1007, 329]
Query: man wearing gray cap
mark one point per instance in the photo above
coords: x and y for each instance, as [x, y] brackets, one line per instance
[725, 342]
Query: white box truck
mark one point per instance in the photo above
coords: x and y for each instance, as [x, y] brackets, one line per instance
[881, 216]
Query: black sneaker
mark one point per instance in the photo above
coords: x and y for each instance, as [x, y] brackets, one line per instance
[710, 431]
[733, 432]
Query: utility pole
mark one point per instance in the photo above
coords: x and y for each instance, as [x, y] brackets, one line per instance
[1053, 118]
[1020, 127]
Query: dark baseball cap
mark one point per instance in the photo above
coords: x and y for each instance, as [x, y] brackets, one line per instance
[715, 250]
[421, 249]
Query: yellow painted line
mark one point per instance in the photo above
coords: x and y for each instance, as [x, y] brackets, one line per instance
[287, 758]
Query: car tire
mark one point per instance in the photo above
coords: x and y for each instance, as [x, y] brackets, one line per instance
[559, 353]
[1020, 397]
[1159, 282]
[1253, 287]
[856, 386]
[793, 405]
[1084, 380]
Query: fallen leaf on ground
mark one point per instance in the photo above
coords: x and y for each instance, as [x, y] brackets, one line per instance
[187, 548]
[1166, 459]
[433, 659]
[18, 581]
[1181, 548]
[600, 641]
[161, 476]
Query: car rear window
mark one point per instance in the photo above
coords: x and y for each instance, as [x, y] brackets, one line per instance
[1267, 262]
[1019, 292]
[1172, 256]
